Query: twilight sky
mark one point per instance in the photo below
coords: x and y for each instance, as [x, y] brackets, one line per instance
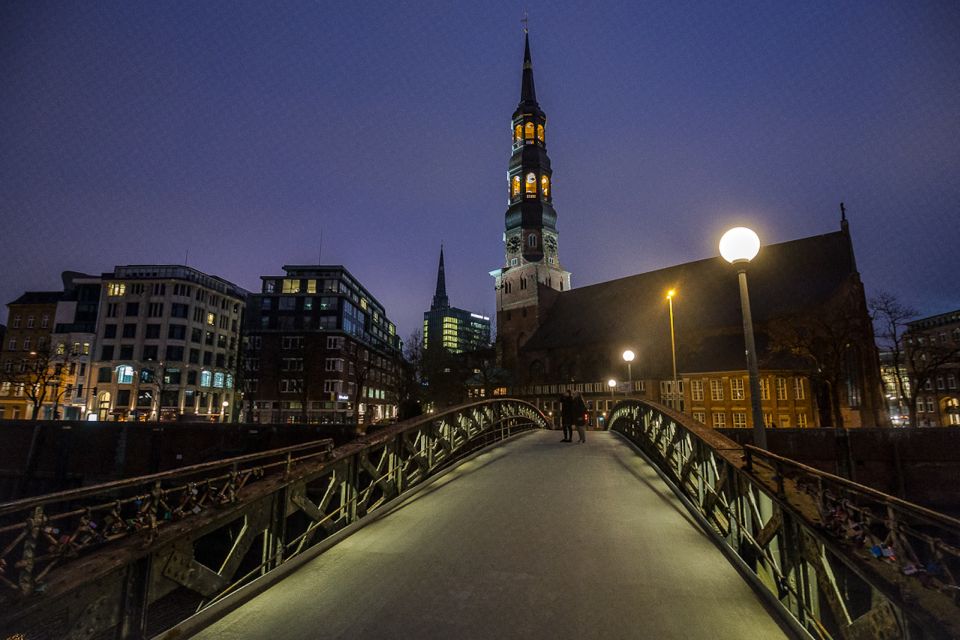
[139, 132]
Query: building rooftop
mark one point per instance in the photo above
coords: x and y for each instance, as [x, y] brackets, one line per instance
[38, 297]
[784, 279]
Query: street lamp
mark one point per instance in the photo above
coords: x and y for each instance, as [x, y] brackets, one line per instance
[223, 410]
[611, 383]
[739, 246]
[628, 357]
[673, 352]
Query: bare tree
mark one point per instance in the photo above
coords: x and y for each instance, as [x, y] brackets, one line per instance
[890, 318]
[822, 340]
[41, 375]
[359, 361]
[486, 374]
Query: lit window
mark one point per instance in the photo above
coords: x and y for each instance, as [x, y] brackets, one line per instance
[211, 319]
[528, 131]
[116, 289]
[781, 388]
[229, 381]
[124, 374]
[218, 380]
[545, 186]
[531, 184]
[540, 132]
[716, 390]
[517, 133]
[205, 378]
[736, 392]
[311, 286]
[696, 390]
[515, 188]
[291, 285]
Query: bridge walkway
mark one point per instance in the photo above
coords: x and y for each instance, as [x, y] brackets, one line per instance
[533, 539]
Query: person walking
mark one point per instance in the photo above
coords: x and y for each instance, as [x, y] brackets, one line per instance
[580, 417]
[567, 415]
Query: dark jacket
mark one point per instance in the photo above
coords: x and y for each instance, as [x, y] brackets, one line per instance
[567, 412]
[579, 410]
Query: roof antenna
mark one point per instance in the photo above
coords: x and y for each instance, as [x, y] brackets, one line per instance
[524, 20]
[843, 218]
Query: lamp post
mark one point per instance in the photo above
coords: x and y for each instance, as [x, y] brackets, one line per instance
[739, 246]
[673, 352]
[611, 383]
[628, 357]
[223, 411]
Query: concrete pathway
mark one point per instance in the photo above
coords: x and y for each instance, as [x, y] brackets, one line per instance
[535, 539]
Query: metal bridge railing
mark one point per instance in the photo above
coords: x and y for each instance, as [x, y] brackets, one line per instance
[131, 558]
[840, 560]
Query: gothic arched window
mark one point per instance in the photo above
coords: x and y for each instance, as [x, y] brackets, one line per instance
[515, 188]
[545, 185]
[532, 241]
[528, 131]
[517, 133]
[540, 132]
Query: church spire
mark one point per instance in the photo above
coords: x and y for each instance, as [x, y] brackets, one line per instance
[528, 94]
[440, 297]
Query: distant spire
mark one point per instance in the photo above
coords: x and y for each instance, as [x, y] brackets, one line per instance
[528, 93]
[844, 225]
[440, 297]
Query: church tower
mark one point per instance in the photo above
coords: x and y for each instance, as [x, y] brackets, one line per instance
[531, 273]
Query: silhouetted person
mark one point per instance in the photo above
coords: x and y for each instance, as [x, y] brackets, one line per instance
[567, 415]
[580, 417]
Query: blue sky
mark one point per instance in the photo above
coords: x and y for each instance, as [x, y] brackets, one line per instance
[238, 132]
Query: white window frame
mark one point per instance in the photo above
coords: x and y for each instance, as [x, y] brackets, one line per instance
[696, 391]
[736, 389]
[716, 389]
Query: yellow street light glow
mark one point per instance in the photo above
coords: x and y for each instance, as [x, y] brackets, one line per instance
[611, 383]
[739, 245]
[629, 355]
[671, 294]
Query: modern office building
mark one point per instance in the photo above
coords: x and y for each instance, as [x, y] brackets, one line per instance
[455, 330]
[319, 348]
[167, 345]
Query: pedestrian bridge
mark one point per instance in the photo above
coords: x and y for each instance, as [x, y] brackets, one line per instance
[479, 522]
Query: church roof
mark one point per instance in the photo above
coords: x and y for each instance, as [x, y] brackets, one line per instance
[633, 312]
[528, 93]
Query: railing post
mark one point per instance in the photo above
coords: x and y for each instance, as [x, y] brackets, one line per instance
[135, 600]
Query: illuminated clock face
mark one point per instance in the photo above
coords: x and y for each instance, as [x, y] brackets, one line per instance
[551, 244]
[531, 178]
[513, 244]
